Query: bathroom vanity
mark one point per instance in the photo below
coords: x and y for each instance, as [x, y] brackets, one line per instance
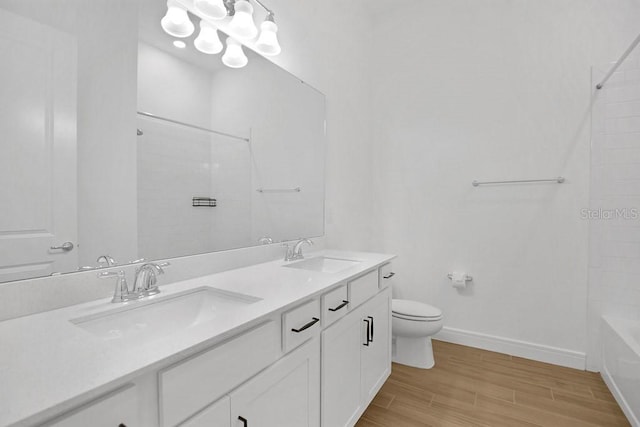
[303, 343]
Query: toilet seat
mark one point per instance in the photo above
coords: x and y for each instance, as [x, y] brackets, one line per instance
[414, 310]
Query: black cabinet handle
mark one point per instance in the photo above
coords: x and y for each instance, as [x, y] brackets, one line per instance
[244, 421]
[389, 276]
[368, 330]
[371, 318]
[344, 304]
[307, 326]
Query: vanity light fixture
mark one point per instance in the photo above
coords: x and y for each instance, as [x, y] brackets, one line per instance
[267, 43]
[179, 44]
[238, 15]
[208, 41]
[234, 56]
[214, 9]
[176, 22]
[242, 22]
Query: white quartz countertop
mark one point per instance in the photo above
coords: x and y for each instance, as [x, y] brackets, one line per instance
[49, 365]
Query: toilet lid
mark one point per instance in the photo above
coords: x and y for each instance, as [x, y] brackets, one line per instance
[413, 309]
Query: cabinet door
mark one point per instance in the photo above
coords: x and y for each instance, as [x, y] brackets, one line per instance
[118, 409]
[376, 357]
[216, 415]
[341, 344]
[287, 394]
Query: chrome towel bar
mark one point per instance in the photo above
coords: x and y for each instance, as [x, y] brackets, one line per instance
[558, 180]
[279, 190]
[467, 278]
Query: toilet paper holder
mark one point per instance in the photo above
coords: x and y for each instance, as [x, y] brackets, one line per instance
[467, 278]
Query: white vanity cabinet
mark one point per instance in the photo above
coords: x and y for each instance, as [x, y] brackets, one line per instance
[287, 394]
[216, 415]
[117, 409]
[318, 362]
[356, 360]
[376, 357]
[189, 386]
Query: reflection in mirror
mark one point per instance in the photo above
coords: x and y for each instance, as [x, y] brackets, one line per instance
[222, 158]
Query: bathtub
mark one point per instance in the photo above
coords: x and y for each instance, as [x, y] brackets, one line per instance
[621, 364]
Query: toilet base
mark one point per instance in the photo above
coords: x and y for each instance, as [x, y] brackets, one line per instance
[415, 352]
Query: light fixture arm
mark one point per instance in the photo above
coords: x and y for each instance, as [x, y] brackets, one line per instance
[269, 11]
[231, 10]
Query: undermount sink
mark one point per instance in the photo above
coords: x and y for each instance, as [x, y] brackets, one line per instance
[154, 319]
[324, 264]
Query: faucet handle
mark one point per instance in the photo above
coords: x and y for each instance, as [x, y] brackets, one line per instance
[121, 293]
[288, 253]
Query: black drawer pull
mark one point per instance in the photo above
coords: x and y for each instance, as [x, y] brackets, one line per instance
[371, 327]
[344, 304]
[389, 276]
[244, 421]
[368, 330]
[307, 326]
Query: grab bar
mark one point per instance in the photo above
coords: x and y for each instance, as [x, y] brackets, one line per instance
[558, 180]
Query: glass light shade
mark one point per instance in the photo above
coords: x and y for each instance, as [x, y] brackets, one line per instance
[267, 43]
[208, 40]
[234, 56]
[242, 23]
[176, 22]
[213, 9]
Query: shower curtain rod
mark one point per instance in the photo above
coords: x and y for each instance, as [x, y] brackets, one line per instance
[619, 62]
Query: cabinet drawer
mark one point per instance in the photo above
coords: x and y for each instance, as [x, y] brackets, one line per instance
[218, 415]
[117, 408]
[363, 288]
[335, 304]
[189, 386]
[386, 275]
[300, 324]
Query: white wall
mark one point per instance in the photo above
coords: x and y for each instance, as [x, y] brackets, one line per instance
[614, 264]
[491, 90]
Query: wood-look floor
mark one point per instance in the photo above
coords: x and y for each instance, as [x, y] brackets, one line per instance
[472, 387]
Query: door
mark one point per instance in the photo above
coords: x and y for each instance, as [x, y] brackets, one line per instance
[38, 148]
[376, 357]
[341, 371]
[286, 394]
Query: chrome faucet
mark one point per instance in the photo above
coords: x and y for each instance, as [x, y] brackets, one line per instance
[106, 259]
[145, 283]
[265, 240]
[297, 249]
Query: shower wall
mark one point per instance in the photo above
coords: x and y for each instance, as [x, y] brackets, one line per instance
[614, 212]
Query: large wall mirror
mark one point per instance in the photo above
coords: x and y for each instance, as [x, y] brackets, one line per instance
[118, 145]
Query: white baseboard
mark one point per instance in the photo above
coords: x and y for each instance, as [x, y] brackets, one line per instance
[613, 387]
[528, 350]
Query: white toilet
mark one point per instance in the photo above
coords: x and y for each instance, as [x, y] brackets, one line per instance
[413, 324]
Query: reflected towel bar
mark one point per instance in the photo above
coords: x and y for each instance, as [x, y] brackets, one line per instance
[558, 180]
[153, 116]
[467, 278]
[279, 190]
[619, 62]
